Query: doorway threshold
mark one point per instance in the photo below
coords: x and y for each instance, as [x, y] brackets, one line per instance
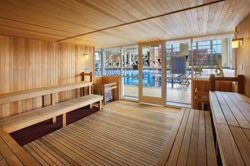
[177, 104]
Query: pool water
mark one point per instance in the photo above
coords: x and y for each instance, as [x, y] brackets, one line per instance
[151, 78]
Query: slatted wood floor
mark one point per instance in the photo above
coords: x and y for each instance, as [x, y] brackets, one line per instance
[124, 133]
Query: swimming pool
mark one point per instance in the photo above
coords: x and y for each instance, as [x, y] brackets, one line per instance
[151, 78]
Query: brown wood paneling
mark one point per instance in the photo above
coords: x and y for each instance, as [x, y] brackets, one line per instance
[243, 53]
[203, 85]
[28, 63]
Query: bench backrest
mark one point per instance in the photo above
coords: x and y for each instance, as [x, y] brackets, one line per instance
[239, 79]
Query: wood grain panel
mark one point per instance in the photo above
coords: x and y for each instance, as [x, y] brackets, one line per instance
[117, 22]
[28, 63]
[203, 85]
[243, 53]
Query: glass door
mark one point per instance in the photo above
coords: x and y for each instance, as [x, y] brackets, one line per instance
[130, 73]
[151, 73]
[178, 75]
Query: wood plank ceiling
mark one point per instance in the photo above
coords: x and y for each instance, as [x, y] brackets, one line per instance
[111, 23]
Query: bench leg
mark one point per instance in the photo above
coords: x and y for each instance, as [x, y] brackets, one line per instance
[104, 96]
[100, 105]
[54, 120]
[53, 98]
[64, 120]
[90, 106]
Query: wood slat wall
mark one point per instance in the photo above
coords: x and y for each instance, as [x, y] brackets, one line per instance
[243, 53]
[27, 63]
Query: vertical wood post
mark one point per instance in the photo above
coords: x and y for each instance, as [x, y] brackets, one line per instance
[64, 120]
[90, 79]
[53, 101]
[100, 105]
[87, 74]
[212, 82]
[241, 84]
[82, 76]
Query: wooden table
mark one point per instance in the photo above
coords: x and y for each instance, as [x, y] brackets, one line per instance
[231, 119]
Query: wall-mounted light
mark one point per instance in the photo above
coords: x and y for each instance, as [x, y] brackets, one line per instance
[237, 42]
[86, 56]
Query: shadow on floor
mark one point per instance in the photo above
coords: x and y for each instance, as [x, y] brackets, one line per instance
[36, 131]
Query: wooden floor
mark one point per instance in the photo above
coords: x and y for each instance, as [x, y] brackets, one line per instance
[123, 133]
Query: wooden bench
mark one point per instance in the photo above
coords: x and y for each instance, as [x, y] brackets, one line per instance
[13, 154]
[23, 120]
[191, 141]
[37, 92]
[231, 119]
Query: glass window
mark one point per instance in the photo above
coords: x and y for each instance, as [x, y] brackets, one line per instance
[172, 49]
[216, 47]
[98, 62]
[212, 57]
[112, 62]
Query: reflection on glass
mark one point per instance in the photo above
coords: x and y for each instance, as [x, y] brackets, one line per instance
[130, 73]
[178, 74]
[112, 62]
[151, 71]
[97, 62]
[209, 57]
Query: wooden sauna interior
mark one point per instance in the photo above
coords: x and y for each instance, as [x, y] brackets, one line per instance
[43, 44]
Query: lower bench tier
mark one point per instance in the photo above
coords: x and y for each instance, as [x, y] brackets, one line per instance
[191, 141]
[23, 120]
